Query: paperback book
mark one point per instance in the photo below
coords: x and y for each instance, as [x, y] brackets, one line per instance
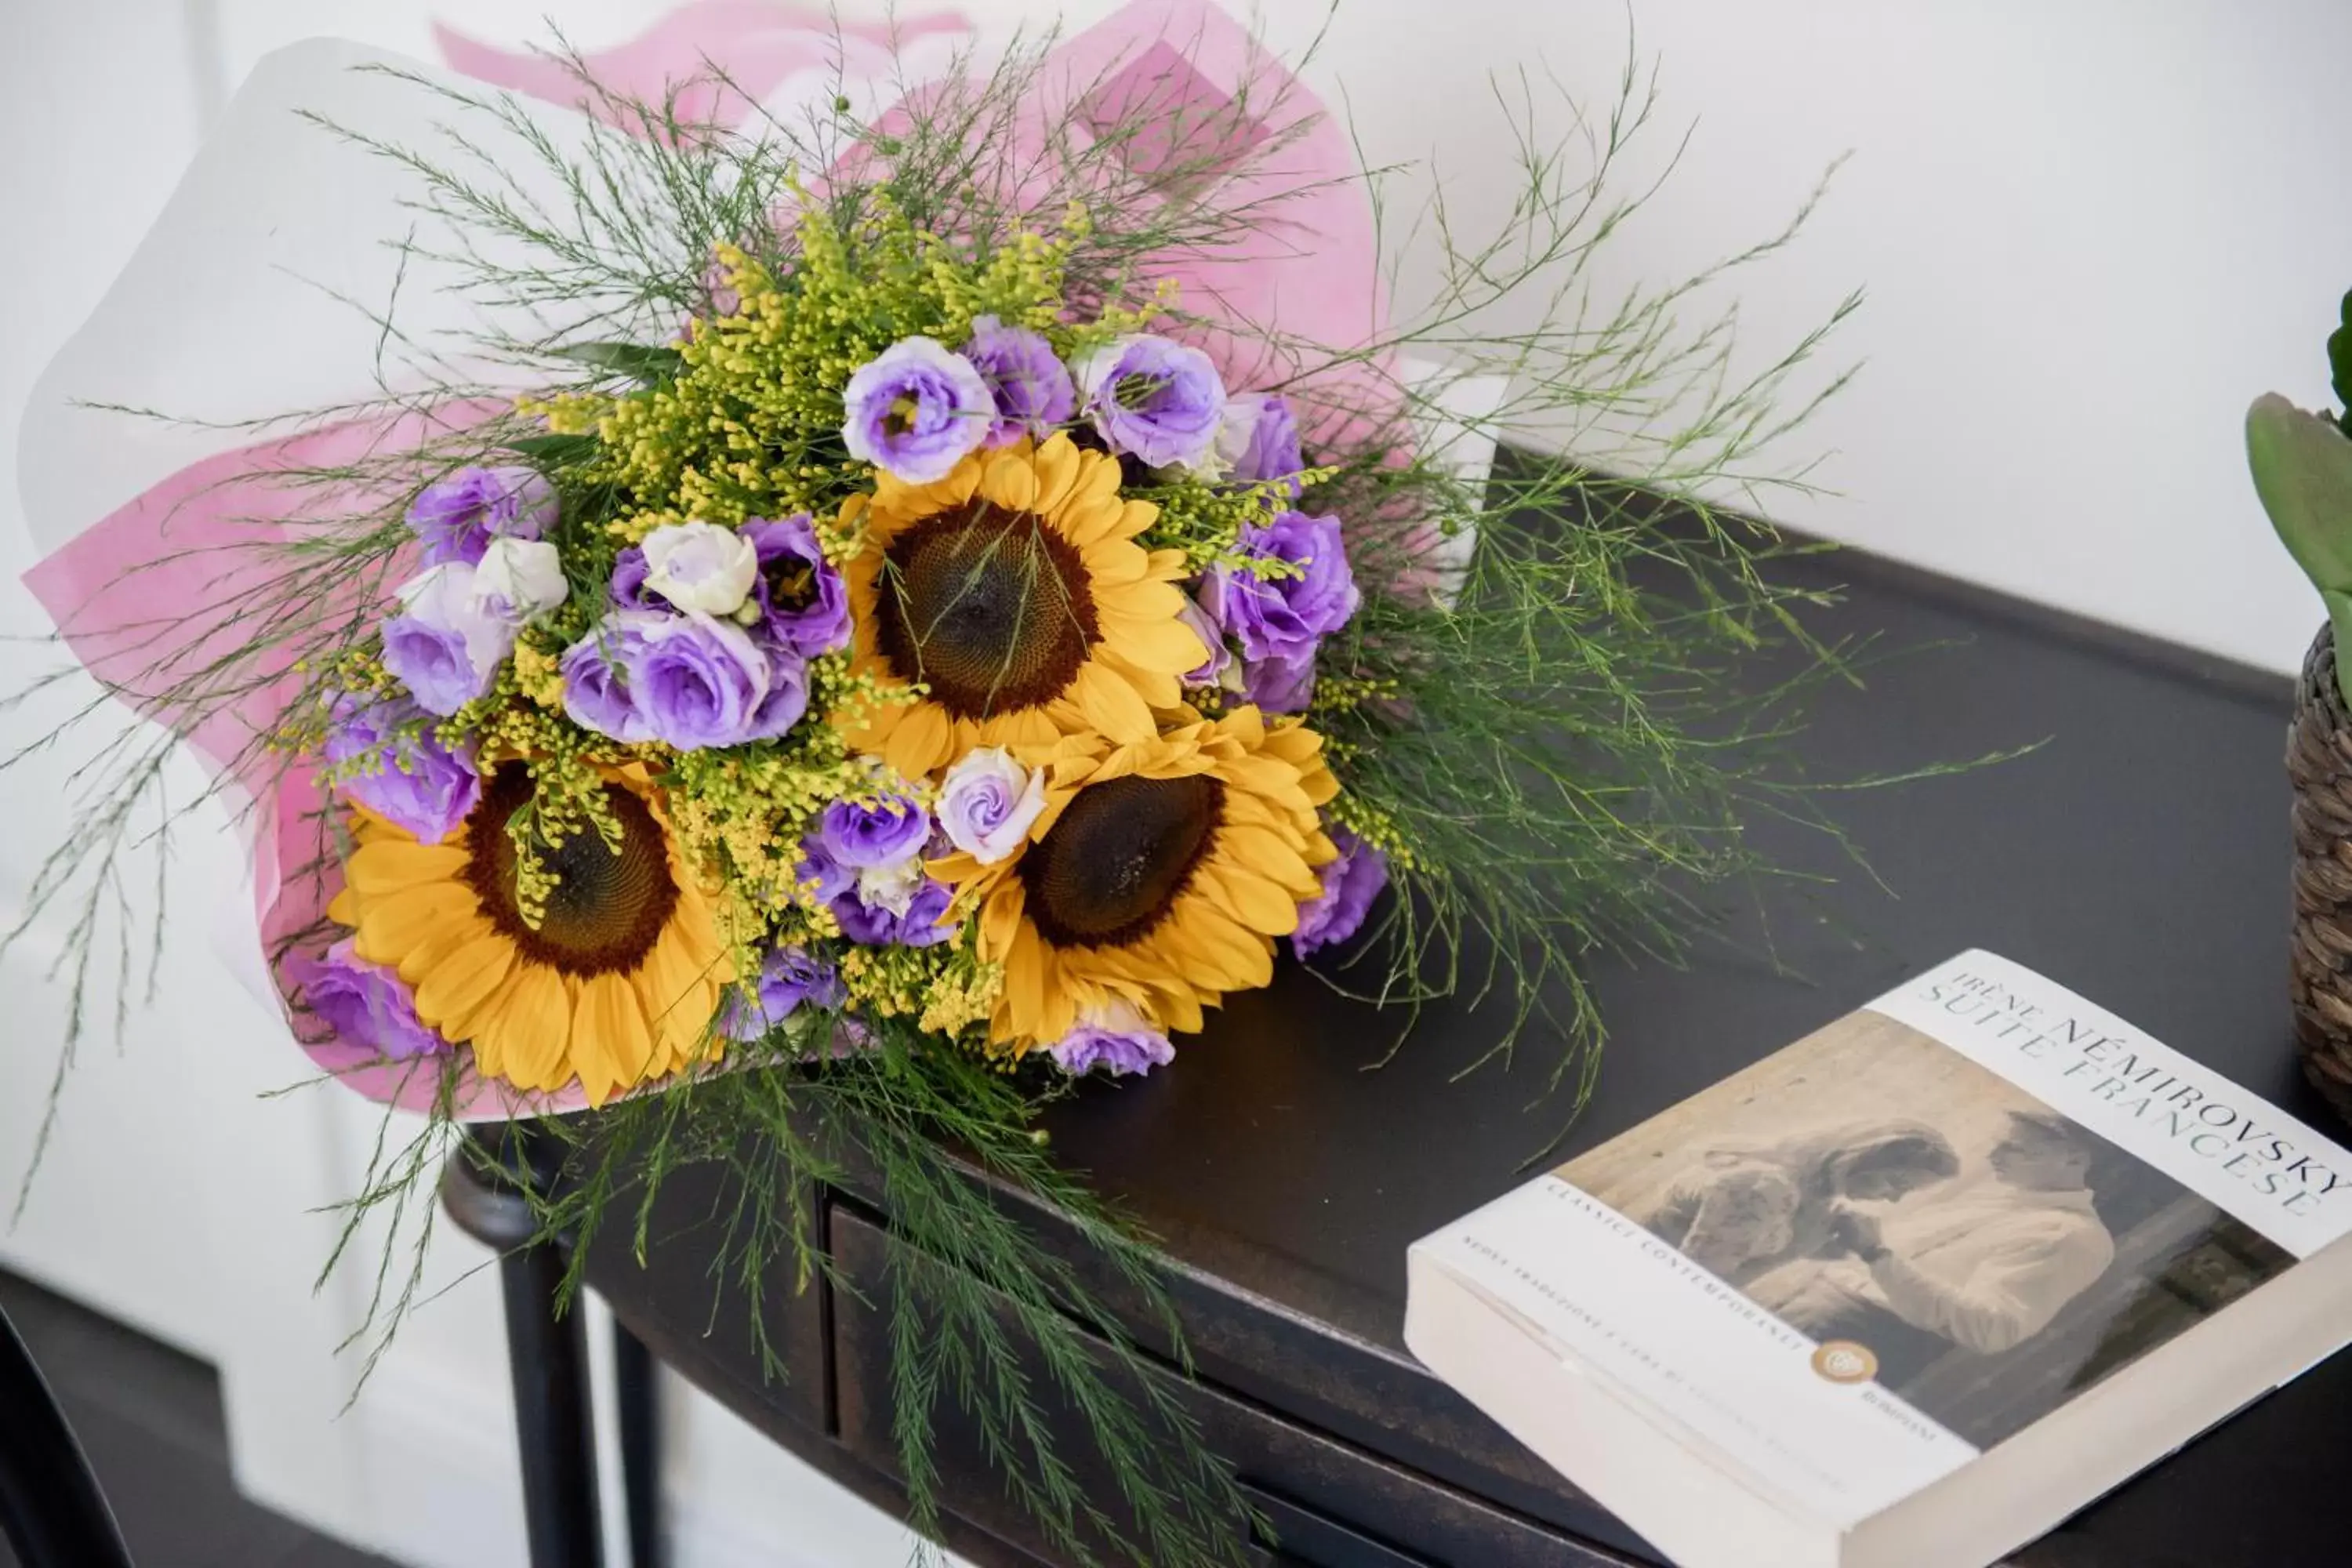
[1909, 1292]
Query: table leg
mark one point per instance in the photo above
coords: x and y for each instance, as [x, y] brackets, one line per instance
[486, 1190]
[554, 1423]
[634, 1394]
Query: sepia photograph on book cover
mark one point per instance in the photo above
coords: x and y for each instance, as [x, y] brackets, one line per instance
[1936, 1228]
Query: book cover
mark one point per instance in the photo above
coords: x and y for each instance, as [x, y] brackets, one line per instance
[1847, 1272]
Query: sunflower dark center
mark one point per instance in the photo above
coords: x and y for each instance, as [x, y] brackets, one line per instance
[606, 909]
[1115, 862]
[989, 606]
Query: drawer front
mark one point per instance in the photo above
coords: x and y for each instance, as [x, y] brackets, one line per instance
[1333, 1505]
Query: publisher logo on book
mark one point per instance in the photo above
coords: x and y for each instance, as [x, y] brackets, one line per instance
[1842, 1361]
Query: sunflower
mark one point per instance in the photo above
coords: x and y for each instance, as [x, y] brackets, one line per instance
[617, 982]
[1159, 874]
[1014, 592]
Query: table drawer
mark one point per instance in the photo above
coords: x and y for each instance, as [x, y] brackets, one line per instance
[1334, 1505]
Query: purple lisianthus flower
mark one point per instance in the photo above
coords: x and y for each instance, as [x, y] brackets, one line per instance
[1117, 1040]
[830, 878]
[686, 679]
[432, 662]
[600, 678]
[1350, 883]
[1259, 439]
[457, 517]
[1287, 616]
[1033, 388]
[915, 410]
[867, 838]
[788, 977]
[629, 591]
[787, 697]
[445, 646]
[895, 905]
[1155, 399]
[367, 1004]
[1211, 670]
[699, 682]
[1280, 685]
[804, 603]
[406, 775]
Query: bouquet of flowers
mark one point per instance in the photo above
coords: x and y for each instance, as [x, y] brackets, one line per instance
[828, 631]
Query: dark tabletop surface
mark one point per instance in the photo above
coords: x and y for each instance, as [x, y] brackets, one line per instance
[2139, 857]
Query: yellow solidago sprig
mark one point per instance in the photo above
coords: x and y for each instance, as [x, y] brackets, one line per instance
[751, 425]
[1205, 521]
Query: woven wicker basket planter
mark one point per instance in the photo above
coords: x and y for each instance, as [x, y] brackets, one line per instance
[2319, 763]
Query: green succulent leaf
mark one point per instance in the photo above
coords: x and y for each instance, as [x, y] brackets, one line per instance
[2302, 470]
[2339, 362]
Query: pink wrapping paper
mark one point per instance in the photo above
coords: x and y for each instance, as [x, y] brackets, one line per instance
[157, 577]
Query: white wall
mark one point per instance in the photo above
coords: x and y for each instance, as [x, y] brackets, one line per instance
[2090, 232]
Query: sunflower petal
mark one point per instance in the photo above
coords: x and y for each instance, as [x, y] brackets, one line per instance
[1293, 744]
[1000, 920]
[1112, 706]
[453, 992]
[920, 740]
[394, 925]
[1135, 517]
[534, 1025]
[1011, 482]
[1025, 979]
[1169, 645]
[1139, 599]
[611, 1046]
[1271, 855]
[1093, 525]
[1263, 906]
[679, 998]
[1247, 954]
[1058, 474]
[388, 865]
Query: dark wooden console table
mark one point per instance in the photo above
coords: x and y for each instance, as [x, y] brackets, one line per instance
[2139, 858]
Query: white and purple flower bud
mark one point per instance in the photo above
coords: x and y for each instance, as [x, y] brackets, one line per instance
[988, 801]
[520, 580]
[443, 646]
[700, 568]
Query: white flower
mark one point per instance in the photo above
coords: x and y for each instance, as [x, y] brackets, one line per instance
[891, 888]
[698, 566]
[520, 580]
[1243, 411]
[988, 801]
[444, 598]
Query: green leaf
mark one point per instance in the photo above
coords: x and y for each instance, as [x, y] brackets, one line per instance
[2339, 361]
[2302, 470]
[555, 451]
[635, 361]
